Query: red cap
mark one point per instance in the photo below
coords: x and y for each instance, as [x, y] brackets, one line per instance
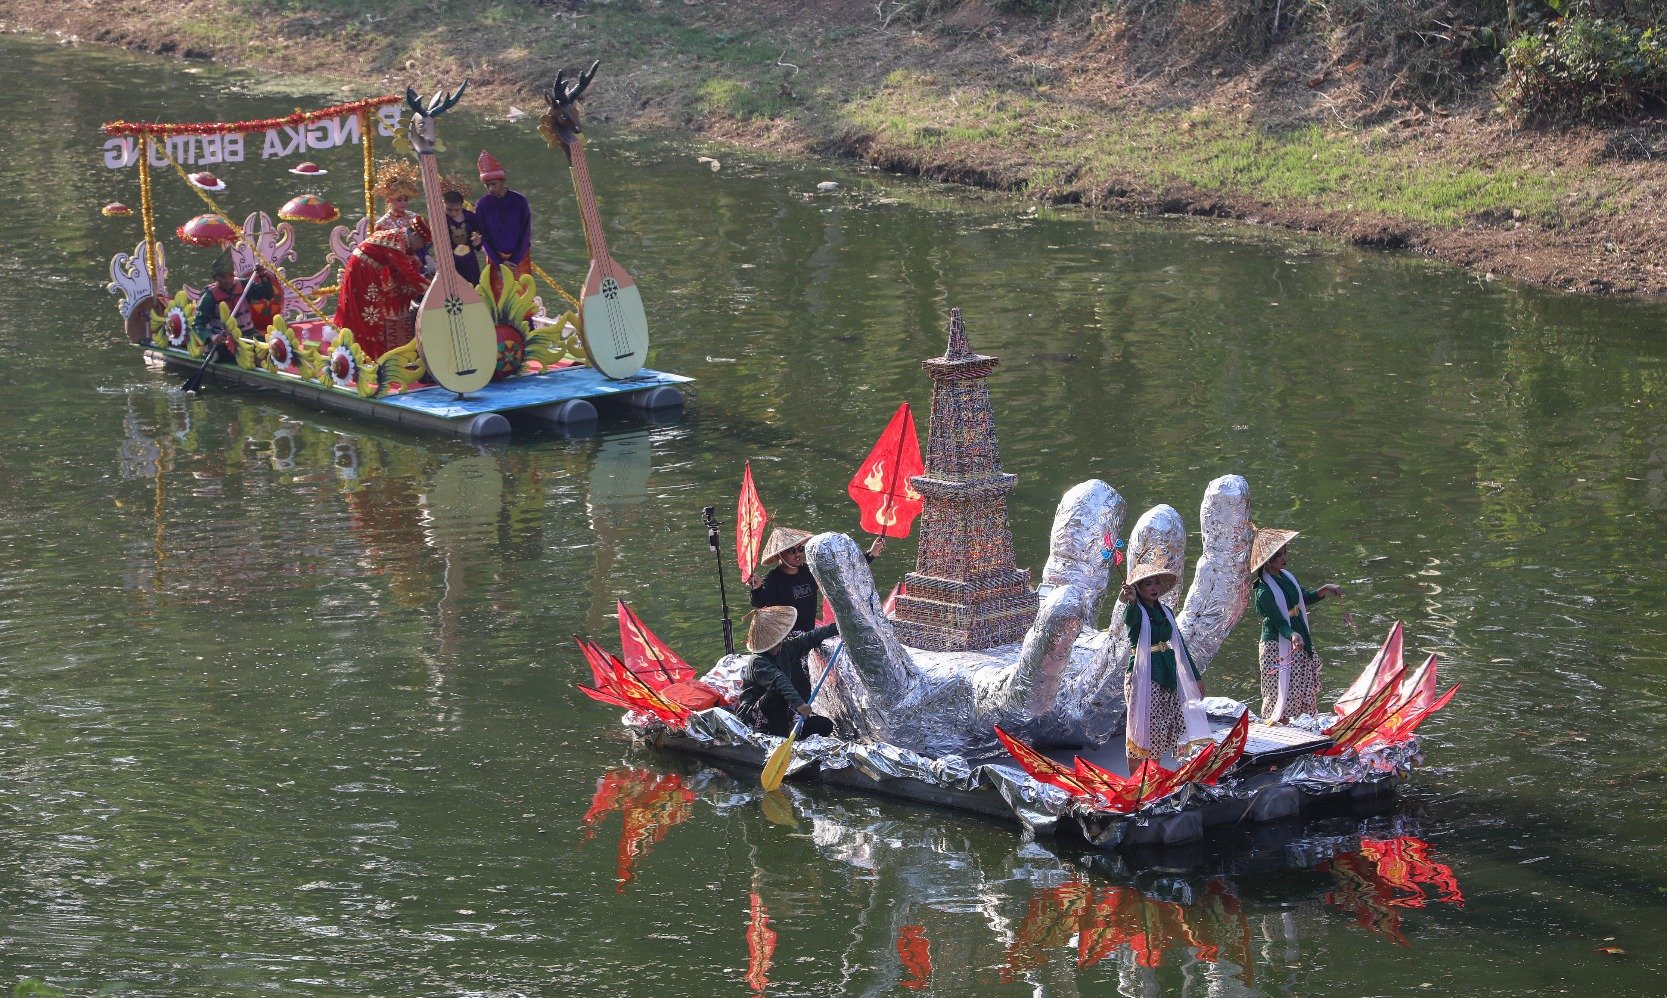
[489, 167]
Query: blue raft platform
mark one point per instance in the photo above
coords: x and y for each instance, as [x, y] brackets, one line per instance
[563, 398]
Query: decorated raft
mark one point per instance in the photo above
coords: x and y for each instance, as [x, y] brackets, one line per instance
[541, 362]
[975, 691]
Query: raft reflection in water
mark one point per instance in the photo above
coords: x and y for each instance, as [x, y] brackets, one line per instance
[945, 910]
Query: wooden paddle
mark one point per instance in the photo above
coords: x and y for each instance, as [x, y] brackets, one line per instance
[775, 769]
[613, 325]
[458, 333]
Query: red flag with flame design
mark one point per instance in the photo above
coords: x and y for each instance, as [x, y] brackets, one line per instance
[649, 658]
[750, 519]
[1042, 768]
[880, 488]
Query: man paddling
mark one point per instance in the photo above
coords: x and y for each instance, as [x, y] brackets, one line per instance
[775, 682]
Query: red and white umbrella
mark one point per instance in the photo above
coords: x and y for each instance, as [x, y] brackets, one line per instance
[308, 169]
[207, 181]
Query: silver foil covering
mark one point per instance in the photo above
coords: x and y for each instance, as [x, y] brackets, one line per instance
[1086, 515]
[1220, 581]
[1061, 685]
[1041, 808]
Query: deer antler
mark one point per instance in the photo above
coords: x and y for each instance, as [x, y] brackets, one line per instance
[565, 91]
[437, 105]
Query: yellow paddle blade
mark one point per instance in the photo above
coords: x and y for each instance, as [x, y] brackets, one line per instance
[775, 770]
[778, 809]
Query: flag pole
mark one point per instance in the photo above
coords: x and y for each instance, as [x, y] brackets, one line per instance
[710, 516]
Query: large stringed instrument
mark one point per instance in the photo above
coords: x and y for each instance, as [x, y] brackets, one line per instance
[457, 331]
[613, 325]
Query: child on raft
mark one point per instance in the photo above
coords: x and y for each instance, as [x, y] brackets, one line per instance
[1290, 664]
[1160, 684]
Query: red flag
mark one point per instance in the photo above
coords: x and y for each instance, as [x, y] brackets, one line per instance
[1042, 768]
[889, 607]
[1399, 729]
[1352, 729]
[750, 519]
[880, 488]
[1387, 660]
[648, 658]
[1116, 792]
[1229, 752]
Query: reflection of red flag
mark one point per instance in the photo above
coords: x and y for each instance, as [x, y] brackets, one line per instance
[750, 519]
[761, 945]
[881, 488]
[648, 658]
[914, 949]
[649, 805]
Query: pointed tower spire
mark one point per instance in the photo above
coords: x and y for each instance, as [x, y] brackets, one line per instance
[966, 590]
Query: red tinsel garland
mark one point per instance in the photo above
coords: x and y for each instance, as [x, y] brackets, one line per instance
[121, 128]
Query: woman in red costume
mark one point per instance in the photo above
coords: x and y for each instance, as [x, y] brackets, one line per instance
[379, 286]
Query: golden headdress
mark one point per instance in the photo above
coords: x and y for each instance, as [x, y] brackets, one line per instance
[397, 178]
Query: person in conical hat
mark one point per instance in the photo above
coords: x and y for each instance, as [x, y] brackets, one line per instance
[1290, 664]
[506, 220]
[1161, 686]
[790, 582]
[775, 683]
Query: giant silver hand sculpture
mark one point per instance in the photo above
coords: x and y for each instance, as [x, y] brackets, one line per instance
[1063, 684]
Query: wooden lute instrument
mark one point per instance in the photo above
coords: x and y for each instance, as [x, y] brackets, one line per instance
[457, 331]
[614, 327]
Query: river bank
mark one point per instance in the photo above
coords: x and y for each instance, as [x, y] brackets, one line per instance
[1320, 132]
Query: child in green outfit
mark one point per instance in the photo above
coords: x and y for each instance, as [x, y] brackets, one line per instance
[1290, 663]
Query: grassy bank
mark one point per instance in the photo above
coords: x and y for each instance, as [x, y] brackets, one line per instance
[1315, 124]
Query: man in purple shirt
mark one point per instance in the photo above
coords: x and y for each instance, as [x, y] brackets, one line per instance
[506, 220]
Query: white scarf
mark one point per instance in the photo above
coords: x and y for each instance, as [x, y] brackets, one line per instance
[1285, 642]
[1140, 685]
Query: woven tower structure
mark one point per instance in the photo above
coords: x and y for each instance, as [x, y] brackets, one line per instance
[966, 591]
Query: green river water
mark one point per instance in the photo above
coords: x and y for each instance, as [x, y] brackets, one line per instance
[287, 703]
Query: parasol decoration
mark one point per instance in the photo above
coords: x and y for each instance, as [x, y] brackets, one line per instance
[308, 169]
[308, 208]
[207, 181]
[207, 230]
[115, 209]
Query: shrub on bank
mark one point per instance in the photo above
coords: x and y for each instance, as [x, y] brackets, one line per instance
[1586, 68]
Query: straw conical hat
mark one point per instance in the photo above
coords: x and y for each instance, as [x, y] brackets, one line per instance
[780, 540]
[1153, 561]
[770, 624]
[1266, 544]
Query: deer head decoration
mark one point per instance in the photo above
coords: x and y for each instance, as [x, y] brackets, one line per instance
[422, 131]
[560, 123]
